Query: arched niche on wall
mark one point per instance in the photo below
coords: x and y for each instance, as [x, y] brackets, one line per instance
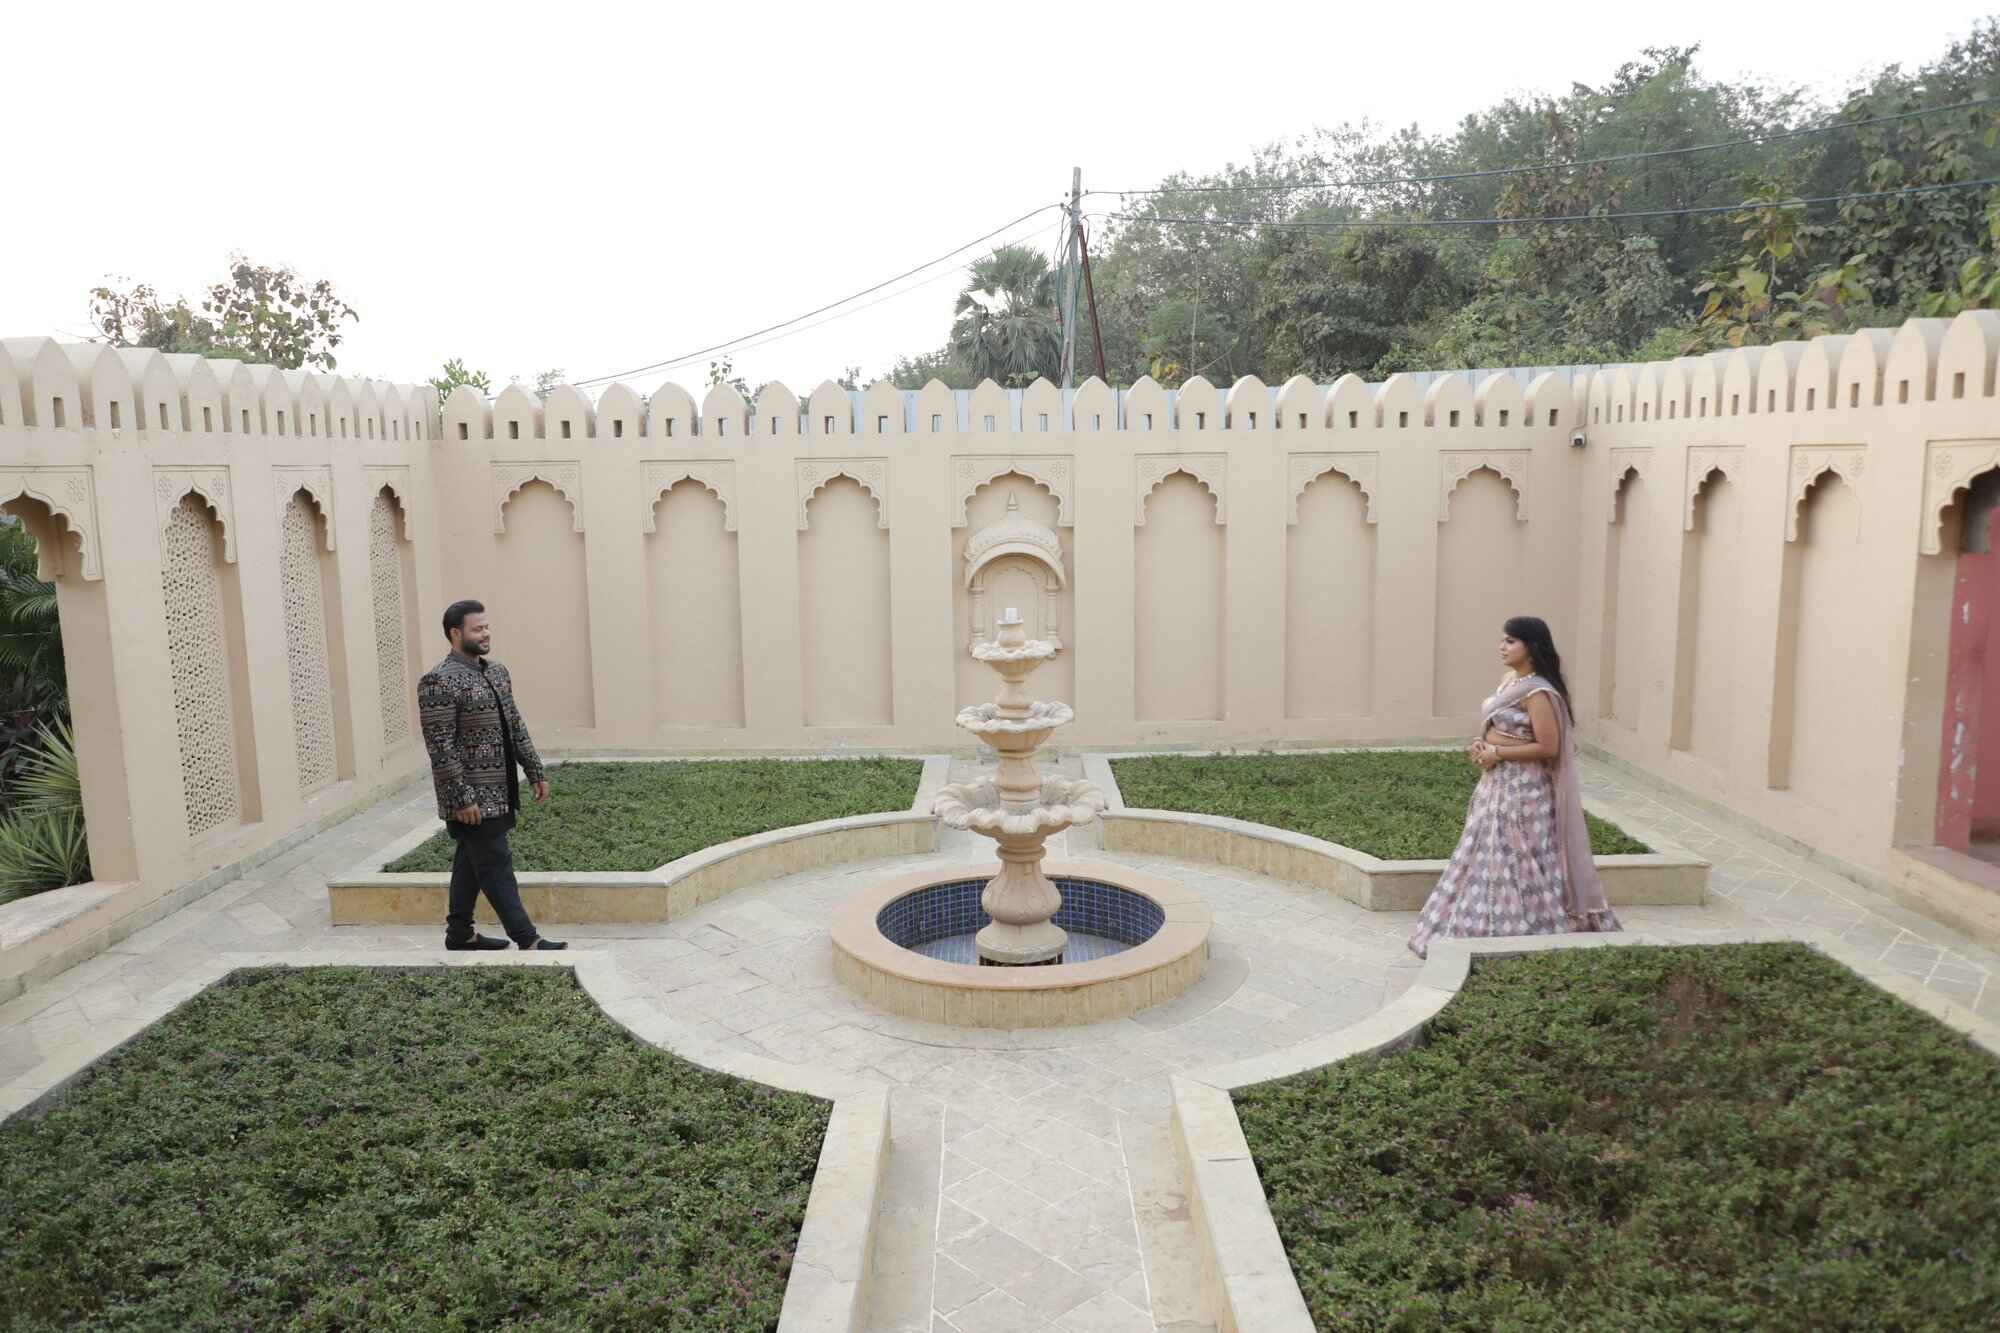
[1019, 544]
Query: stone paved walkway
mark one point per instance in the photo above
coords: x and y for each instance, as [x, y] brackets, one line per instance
[1031, 1180]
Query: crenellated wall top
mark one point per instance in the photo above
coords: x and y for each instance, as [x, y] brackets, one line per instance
[51, 385]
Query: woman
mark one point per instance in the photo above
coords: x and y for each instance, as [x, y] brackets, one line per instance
[1523, 865]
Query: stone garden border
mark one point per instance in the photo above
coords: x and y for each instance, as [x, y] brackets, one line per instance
[366, 895]
[1666, 877]
[1245, 1273]
[832, 1268]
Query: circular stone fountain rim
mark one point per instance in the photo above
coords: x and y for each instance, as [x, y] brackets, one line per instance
[1185, 930]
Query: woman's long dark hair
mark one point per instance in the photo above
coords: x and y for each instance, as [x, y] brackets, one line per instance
[1532, 633]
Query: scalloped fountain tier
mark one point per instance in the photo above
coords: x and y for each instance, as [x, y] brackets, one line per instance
[1017, 948]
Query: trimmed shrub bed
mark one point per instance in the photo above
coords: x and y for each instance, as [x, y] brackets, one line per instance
[1732, 1138]
[337, 1147]
[1399, 805]
[640, 816]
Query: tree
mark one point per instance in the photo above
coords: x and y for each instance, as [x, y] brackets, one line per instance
[260, 313]
[724, 372]
[1006, 326]
[455, 374]
[943, 365]
[545, 382]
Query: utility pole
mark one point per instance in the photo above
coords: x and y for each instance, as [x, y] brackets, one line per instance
[1096, 334]
[1069, 279]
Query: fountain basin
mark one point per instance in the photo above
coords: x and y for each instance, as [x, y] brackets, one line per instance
[1146, 937]
[978, 806]
[1038, 719]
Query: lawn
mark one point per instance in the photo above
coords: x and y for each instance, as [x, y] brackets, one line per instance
[1399, 805]
[641, 816]
[1646, 1138]
[403, 1148]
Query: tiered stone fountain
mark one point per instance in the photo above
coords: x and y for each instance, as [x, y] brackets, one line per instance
[1019, 809]
[1038, 944]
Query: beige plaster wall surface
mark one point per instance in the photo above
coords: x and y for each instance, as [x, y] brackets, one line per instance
[1748, 565]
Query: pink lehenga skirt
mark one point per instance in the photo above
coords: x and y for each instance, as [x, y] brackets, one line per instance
[1507, 876]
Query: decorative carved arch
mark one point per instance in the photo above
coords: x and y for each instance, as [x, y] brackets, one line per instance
[1055, 472]
[1510, 465]
[1015, 540]
[1636, 461]
[565, 477]
[1211, 470]
[172, 484]
[1726, 459]
[662, 475]
[395, 480]
[1953, 466]
[69, 494]
[314, 481]
[872, 474]
[1809, 464]
[1363, 469]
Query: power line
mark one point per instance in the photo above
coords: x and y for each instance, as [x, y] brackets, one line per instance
[698, 353]
[1552, 165]
[919, 285]
[1636, 215]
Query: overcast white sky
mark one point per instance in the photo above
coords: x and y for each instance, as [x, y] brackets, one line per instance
[597, 187]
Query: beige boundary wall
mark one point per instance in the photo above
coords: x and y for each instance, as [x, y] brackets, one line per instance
[1749, 564]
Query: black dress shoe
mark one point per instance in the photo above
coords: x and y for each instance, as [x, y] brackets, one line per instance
[476, 942]
[543, 945]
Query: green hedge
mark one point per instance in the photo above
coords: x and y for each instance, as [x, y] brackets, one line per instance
[641, 816]
[1745, 1137]
[403, 1148]
[1400, 805]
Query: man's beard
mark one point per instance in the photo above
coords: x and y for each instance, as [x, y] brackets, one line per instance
[478, 649]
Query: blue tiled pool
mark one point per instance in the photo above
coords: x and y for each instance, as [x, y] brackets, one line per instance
[940, 921]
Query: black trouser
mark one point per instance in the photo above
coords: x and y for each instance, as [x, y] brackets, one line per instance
[483, 861]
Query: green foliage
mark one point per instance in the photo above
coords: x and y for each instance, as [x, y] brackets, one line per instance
[403, 1148]
[30, 629]
[42, 850]
[42, 838]
[1400, 805]
[47, 780]
[455, 374]
[260, 313]
[943, 365]
[640, 816]
[1006, 327]
[724, 372]
[1747, 1137]
[1379, 296]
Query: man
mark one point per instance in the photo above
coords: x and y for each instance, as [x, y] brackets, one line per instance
[478, 744]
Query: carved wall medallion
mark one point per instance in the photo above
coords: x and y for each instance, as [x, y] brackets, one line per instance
[1726, 459]
[871, 473]
[1455, 465]
[1211, 470]
[1057, 472]
[314, 481]
[211, 484]
[1363, 469]
[1809, 464]
[565, 477]
[71, 495]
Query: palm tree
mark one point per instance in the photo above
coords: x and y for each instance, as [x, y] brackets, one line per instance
[1007, 326]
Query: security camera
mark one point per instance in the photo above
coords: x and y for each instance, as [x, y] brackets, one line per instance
[1576, 440]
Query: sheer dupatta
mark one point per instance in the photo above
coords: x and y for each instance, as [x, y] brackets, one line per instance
[1583, 891]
